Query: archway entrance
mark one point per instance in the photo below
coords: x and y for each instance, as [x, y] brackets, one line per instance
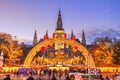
[47, 42]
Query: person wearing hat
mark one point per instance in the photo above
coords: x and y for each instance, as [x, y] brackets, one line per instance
[7, 77]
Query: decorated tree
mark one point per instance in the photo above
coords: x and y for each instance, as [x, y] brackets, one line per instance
[102, 51]
[11, 49]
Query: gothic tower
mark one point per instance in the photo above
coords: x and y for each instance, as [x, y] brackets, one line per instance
[35, 38]
[83, 39]
[59, 22]
[59, 32]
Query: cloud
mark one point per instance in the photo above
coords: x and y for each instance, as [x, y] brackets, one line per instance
[94, 33]
[26, 41]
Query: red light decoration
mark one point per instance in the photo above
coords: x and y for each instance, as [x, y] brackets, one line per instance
[45, 37]
[53, 35]
[42, 49]
[73, 37]
[65, 35]
[75, 49]
[51, 46]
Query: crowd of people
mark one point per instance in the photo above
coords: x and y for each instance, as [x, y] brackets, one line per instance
[57, 75]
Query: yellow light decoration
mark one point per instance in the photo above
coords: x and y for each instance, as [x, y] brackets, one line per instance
[47, 42]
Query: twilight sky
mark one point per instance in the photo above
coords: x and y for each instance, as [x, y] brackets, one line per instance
[98, 18]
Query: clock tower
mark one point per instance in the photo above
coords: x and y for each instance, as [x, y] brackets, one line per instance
[59, 32]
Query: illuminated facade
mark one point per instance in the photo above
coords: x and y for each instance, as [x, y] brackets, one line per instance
[59, 50]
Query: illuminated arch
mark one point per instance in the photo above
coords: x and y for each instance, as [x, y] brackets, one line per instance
[47, 42]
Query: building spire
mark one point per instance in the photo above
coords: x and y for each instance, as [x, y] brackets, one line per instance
[72, 34]
[47, 34]
[83, 39]
[35, 38]
[59, 22]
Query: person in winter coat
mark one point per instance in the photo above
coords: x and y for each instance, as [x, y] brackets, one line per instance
[54, 78]
[30, 77]
[67, 77]
[7, 77]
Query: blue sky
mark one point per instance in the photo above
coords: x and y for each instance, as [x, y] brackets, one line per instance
[97, 18]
